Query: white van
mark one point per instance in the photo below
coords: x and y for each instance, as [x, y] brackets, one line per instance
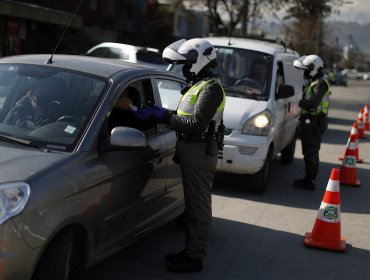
[261, 117]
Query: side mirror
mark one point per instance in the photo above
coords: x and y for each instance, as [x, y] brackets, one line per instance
[284, 91]
[127, 137]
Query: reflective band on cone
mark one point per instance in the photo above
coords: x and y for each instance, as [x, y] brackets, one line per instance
[347, 172]
[355, 139]
[326, 230]
[360, 125]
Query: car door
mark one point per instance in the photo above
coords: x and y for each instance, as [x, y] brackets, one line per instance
[134, 196]
[168, 93]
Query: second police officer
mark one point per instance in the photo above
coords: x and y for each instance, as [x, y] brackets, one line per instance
[198, 123]
[313, 116]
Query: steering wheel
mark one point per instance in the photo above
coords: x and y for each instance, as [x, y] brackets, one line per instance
[250, 85]
[70, 119]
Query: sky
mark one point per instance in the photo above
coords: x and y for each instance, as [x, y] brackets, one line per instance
[354, 10]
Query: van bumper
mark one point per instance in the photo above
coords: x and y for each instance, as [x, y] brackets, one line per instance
[242, 154]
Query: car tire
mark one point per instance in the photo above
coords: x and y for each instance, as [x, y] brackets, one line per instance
[287, 154]
[59, 260]
[258, 181]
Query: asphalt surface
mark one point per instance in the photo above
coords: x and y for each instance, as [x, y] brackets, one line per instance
[261, 236]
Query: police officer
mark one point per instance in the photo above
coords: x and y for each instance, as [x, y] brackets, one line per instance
[313, 116]
[197, 122]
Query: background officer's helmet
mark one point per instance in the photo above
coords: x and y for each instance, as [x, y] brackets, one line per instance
[311, 64]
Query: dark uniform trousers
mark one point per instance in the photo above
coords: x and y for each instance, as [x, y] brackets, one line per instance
[311, 135]
[198, 171]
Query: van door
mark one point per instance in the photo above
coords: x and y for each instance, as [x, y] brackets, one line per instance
[293, 77]
[280, 110]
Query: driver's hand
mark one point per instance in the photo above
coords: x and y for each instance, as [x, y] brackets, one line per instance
[124, 103]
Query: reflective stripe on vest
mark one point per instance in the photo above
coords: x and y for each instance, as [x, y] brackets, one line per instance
[188, 101]
[324, 103]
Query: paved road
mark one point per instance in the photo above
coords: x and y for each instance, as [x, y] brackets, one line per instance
[261, 236]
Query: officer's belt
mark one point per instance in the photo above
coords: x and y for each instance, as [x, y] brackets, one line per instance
[196, 138]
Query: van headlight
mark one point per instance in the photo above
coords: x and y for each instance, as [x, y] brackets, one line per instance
[13, 198]
[258, 124]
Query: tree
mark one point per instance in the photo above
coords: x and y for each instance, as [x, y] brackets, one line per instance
[307, 32]
[238, 12]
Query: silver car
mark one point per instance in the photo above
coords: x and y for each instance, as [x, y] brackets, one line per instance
[73, 188]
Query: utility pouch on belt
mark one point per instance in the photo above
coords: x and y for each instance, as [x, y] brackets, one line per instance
[220, 134]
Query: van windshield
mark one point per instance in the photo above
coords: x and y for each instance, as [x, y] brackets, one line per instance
[243, 73]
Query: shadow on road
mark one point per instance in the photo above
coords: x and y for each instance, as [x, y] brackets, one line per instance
[281, 192]
[236, 251]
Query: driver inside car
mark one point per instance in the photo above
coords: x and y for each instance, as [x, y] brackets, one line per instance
[35, 109]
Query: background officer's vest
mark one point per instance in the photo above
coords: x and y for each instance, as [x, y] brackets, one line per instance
[323, 106]
[188, 101]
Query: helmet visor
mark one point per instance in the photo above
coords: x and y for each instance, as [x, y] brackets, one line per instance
[298, 63]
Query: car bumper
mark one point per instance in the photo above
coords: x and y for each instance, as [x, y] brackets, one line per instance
[242, 154]
[16, 258]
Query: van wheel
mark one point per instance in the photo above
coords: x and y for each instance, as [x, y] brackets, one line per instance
[258, 181]
[287, 154]
[59, 261]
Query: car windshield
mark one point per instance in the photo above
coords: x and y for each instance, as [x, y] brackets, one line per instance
[243, 73]
[46, 108]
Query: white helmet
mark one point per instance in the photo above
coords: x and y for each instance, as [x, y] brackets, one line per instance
[195, 52]
[311, 64]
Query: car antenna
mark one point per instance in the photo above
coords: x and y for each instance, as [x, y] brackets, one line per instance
[50, 60]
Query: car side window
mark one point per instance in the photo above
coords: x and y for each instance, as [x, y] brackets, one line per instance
[113, 53]
[170, 93]
[133, 97]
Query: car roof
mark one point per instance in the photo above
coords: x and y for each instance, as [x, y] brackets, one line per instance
[250, 44]
[93, 65]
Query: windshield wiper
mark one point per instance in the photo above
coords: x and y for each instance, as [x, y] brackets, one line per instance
[19, 141]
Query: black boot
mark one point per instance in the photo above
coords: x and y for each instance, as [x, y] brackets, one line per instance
[185, 264]
[307, 183]
[175, 256]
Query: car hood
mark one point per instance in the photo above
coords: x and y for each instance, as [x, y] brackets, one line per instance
[18, 164]
[238, 110]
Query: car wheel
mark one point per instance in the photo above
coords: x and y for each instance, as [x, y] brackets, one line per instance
[59, 261]
[258, 181]
[287, 154]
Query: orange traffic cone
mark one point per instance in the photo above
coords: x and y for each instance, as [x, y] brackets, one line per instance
[326, 230]
[360, 124]
[355, 138]
[366, 117]
[347, 172]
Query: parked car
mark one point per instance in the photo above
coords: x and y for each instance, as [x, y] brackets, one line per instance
[261, 117]
[352, 74]
[337, 79]
[73, 192]
[130, 53]
[366, 76]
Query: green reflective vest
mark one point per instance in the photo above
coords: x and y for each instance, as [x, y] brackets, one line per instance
[188, 101]
[323, 106]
